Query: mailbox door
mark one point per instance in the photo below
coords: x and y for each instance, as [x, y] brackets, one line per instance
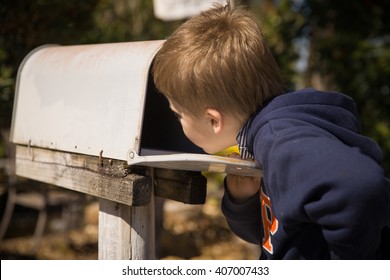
[197, 162]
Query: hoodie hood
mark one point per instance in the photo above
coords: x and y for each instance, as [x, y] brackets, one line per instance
[332, 112]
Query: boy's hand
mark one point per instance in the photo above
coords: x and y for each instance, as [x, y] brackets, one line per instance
[241, 188]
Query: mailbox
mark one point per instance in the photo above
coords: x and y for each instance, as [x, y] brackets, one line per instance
[100, 100]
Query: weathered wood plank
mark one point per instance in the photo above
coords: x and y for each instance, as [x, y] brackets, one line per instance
[143, 232]
[95, 176]
[185, 186]
[114, 231]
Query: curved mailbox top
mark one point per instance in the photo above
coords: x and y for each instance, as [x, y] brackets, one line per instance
[84, 98]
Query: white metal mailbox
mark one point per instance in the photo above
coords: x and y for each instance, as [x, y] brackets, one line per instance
[100, 100]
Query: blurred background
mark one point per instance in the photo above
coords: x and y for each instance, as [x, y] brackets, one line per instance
[335, 45]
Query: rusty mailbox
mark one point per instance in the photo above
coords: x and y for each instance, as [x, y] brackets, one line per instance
[100, 100]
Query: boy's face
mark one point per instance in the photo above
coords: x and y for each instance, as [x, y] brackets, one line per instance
[203, 131]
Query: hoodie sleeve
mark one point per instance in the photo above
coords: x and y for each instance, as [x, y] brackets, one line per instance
[244, 219]
[315, 178]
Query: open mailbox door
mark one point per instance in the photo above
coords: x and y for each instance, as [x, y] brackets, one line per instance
[101, 100]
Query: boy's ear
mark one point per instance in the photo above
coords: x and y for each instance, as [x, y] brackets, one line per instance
[216, 120]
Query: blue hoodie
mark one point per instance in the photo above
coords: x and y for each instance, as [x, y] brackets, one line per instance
[324, 194]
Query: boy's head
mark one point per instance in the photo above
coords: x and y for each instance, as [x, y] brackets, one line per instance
[216, 71]
[218, 60]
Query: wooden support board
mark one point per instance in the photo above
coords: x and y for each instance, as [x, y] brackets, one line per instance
[185, 186]
[95, 176]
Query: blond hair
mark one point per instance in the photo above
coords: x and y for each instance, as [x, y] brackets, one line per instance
[218, 60]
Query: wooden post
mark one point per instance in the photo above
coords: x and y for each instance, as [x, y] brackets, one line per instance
[126, 200]
[125, 232]
[126, 195]
[143, 232]
[114, 230]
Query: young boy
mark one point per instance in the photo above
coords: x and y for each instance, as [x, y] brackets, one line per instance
[323, 194]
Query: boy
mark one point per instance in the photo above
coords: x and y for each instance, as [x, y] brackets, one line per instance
[323, 194]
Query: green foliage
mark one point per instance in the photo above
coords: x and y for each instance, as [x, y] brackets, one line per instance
[124, 20]
[7, 81]
[282, 25]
